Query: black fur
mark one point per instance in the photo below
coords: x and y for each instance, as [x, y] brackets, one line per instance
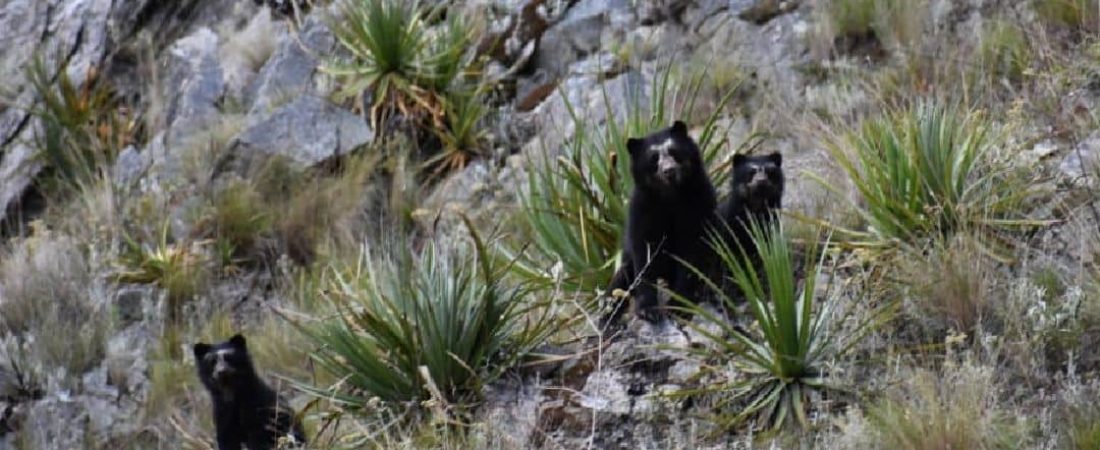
[670, 209]
[246, 411]
[756, 193]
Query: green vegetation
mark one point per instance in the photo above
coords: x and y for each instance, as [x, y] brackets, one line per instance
[574, 207]
[240, 222]
[82, 126]
[781, 359]
[928, 171]
[1004, 52]
[851, 18]
[462, 137]
[1079, 15]
[393, 330]
[417, 327]
[424, 76]
[179, 268]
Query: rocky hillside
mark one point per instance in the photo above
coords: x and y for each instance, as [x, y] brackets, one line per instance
[413, 210]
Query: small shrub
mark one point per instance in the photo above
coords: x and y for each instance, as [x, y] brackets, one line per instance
[239, 220]
[780, 360]
[325, 210]
[280, 209]
[412, 323]
[574, 208]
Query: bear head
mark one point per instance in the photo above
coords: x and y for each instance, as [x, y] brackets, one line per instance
[758, 180]
[663, 161]
[224, 366]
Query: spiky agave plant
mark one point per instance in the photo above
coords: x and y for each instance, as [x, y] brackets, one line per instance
[929, 171]
[409, 324]
[395, 56]
[781, 357]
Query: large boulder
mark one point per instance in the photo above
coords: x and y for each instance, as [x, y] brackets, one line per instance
[293, 68]
[308, 130]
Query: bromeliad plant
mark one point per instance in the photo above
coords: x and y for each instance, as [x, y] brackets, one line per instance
[409, 324]
[574, 207]
[404, 65]
[779, 359]
[929, 171]
[82, 127]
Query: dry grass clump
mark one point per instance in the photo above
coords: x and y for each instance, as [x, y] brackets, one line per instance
[957, 407]
[45, 285]
[948, 286]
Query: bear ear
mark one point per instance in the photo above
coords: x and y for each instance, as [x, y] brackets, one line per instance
[679, 128]
[634, 146]
[200, 350]
[738, 159]
[237, 341]
[776, 158]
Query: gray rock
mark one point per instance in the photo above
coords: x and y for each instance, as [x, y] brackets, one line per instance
[196, 79]
[291, 69]
[577, 34]
[130, 301]
[1082, 164]
[50, 423]
[18, 167]
[130, 165]
[308, 130]
[625, 93]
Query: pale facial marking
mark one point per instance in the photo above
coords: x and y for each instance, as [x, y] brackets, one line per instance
[666, 164]
[221, 365]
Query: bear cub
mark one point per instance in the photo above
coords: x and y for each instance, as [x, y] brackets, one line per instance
[672, 205]
[756, 191]
[246, 411]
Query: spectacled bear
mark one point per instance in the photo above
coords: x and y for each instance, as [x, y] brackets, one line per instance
[756, 191]
[246, 411]
[672, 205]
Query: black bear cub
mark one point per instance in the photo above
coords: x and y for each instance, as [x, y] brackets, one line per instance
[670, 209]
[246, 411]
[756, 190]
